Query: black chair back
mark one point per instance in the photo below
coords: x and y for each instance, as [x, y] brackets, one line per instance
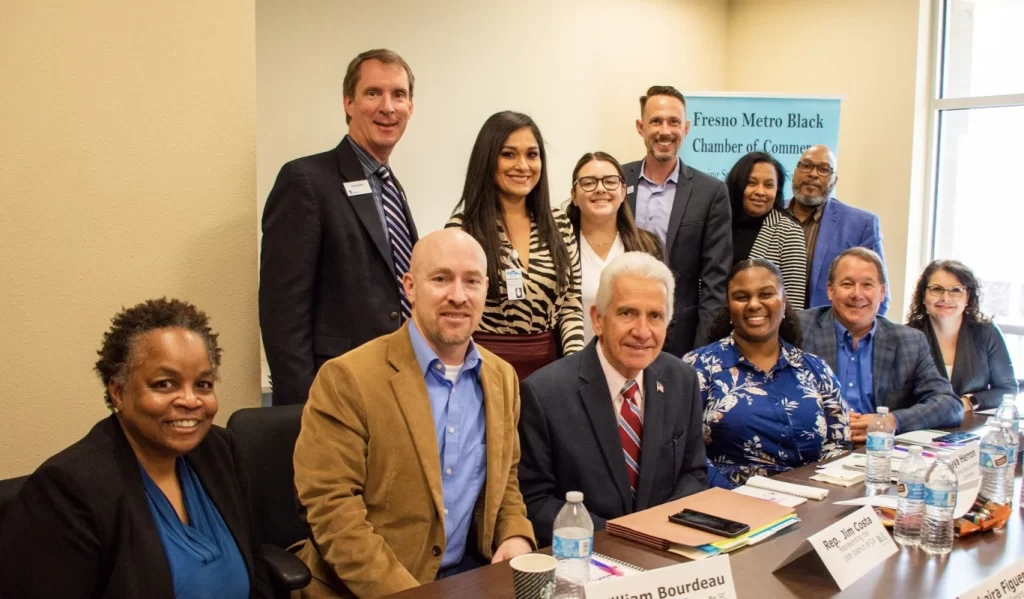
[266, 437]
[8, 491]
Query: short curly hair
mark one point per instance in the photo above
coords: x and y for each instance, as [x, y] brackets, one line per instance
[129, 324]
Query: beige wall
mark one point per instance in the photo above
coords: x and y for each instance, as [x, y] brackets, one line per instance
[577, 67]
[127, 172]
[868, 52]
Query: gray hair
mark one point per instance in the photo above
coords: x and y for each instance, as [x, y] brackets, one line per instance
[864, 254]
[640, 264]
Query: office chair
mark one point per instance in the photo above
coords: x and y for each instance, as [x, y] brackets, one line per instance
[266, 438]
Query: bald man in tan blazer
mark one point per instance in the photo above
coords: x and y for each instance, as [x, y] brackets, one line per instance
[367, 462]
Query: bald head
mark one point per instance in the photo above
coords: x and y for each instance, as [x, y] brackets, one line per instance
[815, 176]
[447, 287]
[430, 249]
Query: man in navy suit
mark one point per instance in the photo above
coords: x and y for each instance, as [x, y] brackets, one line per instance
[620, 420]
[829, 225]
[878, 363]
[337, 234]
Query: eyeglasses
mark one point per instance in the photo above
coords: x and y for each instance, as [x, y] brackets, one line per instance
[823, 169]
[937, 291]
[611, 182]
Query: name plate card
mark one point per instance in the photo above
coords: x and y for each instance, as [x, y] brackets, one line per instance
[694, 580]
[1007, 583]
[967, 465]
[849, 548]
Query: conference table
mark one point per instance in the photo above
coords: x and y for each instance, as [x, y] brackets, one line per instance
[908, 574]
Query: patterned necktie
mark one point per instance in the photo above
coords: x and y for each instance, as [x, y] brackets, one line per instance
[398, 232]
[631, 431]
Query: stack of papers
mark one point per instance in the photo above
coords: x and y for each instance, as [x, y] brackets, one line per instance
[783, 493]
[726, 545]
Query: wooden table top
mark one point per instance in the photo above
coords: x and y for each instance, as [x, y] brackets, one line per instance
[909, 573]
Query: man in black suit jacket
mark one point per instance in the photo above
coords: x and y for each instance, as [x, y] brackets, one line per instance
[329, 276]
[575, 412]
[688, 210]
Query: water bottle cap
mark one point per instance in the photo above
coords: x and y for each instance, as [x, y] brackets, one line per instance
[914, 449]
[574, 497]
[882, 410]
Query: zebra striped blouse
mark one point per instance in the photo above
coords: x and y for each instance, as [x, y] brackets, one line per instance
[781, 240]
[543, 309]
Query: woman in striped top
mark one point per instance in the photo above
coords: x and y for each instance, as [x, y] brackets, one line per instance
[533, 312]
[761, 227]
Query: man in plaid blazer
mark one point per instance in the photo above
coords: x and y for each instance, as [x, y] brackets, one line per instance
[878, 362]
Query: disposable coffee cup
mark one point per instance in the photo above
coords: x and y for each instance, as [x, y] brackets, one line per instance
[533, 576]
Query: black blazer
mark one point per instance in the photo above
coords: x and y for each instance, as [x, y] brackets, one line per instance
[982, 364]
[698, 248]
[569, 439]
[81, 526]
[327, 277]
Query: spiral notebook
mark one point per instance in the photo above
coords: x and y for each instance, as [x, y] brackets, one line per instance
[603, 567]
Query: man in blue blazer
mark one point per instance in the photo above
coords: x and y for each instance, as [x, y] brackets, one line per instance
[829, 225]
[878, 363]
[620, 420]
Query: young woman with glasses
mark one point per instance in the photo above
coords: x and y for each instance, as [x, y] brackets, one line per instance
[967, 347]
[603, 224]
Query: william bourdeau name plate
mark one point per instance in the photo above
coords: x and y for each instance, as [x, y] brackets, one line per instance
[706, 579]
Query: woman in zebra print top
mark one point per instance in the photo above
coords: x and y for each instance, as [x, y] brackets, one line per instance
[505, 206]
[761, 227]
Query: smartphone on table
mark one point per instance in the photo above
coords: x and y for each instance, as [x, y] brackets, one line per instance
[957, 438]
[708, 523]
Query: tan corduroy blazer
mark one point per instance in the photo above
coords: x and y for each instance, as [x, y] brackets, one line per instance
[368, 471]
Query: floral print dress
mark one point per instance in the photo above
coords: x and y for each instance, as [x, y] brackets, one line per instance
[758, 422]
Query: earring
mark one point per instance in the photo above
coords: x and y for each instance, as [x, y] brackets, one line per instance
[115, 410]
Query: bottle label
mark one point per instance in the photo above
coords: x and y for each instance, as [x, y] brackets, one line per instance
[911, 491]
[877, 442]
[936, 498]
[992, 456]
[571, 548]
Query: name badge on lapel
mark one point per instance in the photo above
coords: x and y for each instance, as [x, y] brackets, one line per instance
[357, 188]
[630, 190]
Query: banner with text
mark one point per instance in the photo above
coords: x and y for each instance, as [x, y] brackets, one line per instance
[726, 126]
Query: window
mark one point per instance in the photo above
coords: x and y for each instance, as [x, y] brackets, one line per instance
[978, 110]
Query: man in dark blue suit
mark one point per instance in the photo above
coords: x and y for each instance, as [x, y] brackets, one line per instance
[829, 225]
[878, 363]
[620, 421]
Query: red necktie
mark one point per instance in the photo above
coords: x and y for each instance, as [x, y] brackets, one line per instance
[631, 431]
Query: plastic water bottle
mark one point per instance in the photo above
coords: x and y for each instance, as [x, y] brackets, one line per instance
[994, 461]
[1008, 413]
[940, 488]
[1012, 452]
[910, 505]
[572, 545]
[879, 450]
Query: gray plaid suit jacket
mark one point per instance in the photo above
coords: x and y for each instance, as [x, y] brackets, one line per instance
[905, 377]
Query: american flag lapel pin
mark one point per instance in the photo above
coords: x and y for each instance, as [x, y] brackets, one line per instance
[660, 388]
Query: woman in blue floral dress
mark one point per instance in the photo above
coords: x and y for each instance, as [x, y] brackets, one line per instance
[768, 406]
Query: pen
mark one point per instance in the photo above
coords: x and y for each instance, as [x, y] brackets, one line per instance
[609, 569]
[924, 453]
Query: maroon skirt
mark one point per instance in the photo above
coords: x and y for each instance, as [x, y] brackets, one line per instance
[526, 353]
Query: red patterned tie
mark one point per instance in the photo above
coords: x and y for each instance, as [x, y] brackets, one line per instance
[631, 431]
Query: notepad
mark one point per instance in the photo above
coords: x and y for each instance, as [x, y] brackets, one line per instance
[778, 486]
[603, 567]
[779, 498]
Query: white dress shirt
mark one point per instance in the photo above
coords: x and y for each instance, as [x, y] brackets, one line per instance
[591, 266]
[616, 382]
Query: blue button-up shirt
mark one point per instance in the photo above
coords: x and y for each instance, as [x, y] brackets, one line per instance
[654, 202]
[458, 411]
[854, 370]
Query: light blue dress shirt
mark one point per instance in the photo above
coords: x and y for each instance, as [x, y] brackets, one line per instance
[654, 202]
[855, 370]
[458, 411]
